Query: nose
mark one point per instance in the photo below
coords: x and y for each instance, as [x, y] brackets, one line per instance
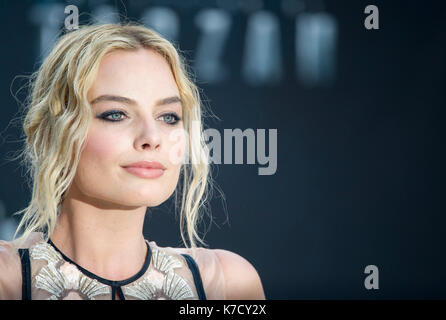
[148, 137]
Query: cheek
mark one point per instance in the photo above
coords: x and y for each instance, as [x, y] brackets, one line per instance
[177, 142]
[100, 149]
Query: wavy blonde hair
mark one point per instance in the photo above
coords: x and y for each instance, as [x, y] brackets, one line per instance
[58, 116]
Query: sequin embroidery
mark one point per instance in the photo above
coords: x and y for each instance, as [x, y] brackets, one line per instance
[162, 283]
[63, 280]
[60, 278]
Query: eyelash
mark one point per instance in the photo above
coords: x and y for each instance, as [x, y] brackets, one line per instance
[104, 116]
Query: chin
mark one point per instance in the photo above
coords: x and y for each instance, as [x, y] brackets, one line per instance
[148, 201]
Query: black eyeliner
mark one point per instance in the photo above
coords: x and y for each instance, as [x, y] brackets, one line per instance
[104, 115]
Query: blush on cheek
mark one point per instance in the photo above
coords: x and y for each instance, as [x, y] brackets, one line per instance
[107, 143]
[100, 145]
[176, 144]
[95, 174]
[181, 146]
[101, 152]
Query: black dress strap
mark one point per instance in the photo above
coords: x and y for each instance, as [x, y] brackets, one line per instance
[197, 277]
[26, 274]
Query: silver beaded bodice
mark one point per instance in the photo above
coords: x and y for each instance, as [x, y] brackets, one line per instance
[167, 277]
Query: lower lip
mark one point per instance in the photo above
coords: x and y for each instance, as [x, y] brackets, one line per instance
[145, 172]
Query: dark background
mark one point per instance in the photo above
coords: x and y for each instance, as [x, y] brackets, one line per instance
[360, 158]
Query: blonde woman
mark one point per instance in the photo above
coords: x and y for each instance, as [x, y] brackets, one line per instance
[112, 119]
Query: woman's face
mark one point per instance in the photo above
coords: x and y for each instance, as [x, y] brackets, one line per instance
[137, 115]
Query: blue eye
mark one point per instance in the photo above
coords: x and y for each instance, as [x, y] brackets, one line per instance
[117, 116]
[171, 118]
[112, 116]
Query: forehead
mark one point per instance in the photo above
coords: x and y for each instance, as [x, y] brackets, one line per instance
[142, 74]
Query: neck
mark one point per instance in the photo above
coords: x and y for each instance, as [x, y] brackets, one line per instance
[106, 241]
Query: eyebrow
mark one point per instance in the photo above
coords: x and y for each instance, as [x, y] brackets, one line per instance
[160, 102]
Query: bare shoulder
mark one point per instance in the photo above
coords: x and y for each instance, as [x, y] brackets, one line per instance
[9, 257]
[6, 252]
[10, 276]
[11, 266]
[242, 279]
[225, 274]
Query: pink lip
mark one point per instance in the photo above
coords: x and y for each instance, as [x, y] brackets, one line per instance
[145, 169]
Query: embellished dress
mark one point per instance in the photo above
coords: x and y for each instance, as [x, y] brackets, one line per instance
[41, 271]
